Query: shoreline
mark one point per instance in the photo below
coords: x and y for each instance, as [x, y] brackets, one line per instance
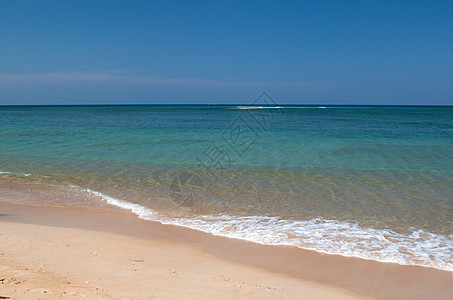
[345, 237]
[348, 276]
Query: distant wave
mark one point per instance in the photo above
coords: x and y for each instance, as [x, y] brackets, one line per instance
[257, 107]
[285, 107]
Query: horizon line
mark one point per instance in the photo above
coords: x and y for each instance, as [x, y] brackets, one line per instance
[226, 104]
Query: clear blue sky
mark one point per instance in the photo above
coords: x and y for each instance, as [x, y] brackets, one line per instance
[329, 52]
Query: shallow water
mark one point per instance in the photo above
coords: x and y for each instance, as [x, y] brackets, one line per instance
[372, 182]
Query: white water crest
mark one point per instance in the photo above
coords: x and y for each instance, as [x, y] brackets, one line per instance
[256, 107]
[327, 236]
[140, 210]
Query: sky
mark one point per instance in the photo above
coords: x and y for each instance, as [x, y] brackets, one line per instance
[222, 52]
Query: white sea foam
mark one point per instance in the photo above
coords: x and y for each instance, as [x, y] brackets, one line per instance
[20, 174]
[322, 235]
[332, 237]
[256, 107]
[140, 210]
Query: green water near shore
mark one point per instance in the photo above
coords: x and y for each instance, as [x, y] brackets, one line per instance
[382, 168]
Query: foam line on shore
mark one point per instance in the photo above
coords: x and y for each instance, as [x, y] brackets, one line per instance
[322, 235]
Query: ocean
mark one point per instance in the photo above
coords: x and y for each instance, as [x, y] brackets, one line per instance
[374, 182]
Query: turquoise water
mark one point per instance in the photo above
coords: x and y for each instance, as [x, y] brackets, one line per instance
[372, 182]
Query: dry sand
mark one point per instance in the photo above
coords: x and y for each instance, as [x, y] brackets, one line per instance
[54, 253]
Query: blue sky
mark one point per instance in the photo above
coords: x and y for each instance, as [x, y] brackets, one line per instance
[307, 52]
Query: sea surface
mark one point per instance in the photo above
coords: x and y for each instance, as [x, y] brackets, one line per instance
[374, 182]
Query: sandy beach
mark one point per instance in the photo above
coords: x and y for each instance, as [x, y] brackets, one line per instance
[226, 150]
[51, 262]
[50, 253]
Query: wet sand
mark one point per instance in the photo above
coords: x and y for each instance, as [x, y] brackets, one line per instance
[51, 252]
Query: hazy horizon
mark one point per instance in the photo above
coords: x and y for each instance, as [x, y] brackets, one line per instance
[236, 104]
